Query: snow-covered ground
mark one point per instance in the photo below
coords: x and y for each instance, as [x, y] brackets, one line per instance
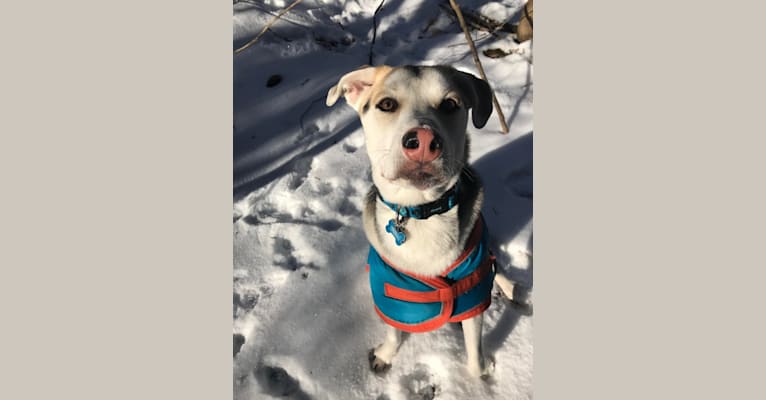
[303, 316]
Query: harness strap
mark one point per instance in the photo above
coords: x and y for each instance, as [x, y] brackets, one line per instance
[442, 295]
[473, 241]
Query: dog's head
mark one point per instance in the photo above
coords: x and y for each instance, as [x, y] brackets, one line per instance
[414, 120]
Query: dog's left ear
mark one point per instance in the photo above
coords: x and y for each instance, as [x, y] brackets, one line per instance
[352, 86]
[477, 95]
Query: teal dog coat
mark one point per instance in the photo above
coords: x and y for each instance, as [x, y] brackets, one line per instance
[415, 303]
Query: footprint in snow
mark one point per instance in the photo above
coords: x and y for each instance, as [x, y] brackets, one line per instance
[284, 257]
[418, 384]
[520, 181]
[307, 132]
[301, 169]
[265, 212]
[283, 254]
[330, 225]
[278, 383]
[349, 148]
[321, 189]
[245, 302]
[251, 219]
[347, 207]
[239, 340]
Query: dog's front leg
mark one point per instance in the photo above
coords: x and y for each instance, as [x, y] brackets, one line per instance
[380, 357]
[476, 363]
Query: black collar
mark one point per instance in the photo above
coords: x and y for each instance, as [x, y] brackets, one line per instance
[446, 202]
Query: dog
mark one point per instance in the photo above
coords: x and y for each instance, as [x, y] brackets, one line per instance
[429, 261]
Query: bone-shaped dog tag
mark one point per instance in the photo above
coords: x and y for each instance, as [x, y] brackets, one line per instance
[396, 231]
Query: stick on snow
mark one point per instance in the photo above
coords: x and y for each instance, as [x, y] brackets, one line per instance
[265, 28]
[460, 19]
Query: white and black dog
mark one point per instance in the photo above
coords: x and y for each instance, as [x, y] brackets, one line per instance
[429, 261]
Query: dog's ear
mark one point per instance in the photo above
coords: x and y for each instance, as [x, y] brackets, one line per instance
[478, 96]
[352, 86]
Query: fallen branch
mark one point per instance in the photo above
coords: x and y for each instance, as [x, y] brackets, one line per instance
[481, 22]
[459, 14]
[265, 28]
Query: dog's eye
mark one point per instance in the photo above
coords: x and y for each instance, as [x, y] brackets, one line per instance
[449, 105]
[387, 105]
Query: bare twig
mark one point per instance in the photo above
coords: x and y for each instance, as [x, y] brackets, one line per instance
[260, 6]
[265, 28]
[459, 14]
[375, 29]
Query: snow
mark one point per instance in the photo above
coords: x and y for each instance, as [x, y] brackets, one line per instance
[301, 294]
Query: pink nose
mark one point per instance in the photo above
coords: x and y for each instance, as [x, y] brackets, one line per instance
[422, 145]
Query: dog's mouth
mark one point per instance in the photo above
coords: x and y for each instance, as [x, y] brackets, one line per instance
[421, 176]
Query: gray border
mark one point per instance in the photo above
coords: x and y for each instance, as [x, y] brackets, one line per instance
[649, 200]
[116, 170]
[117, 192]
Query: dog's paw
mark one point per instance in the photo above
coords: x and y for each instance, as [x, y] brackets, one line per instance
[378, 365]
[484, 371]
[488, 370]
[524, 309]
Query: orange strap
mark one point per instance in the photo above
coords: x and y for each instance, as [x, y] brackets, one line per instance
[445, 294]
[472, 242]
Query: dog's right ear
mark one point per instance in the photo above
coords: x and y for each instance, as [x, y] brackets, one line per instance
[478, 96]
[352, 86]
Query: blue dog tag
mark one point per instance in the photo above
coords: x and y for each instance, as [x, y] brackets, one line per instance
[396, 231]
